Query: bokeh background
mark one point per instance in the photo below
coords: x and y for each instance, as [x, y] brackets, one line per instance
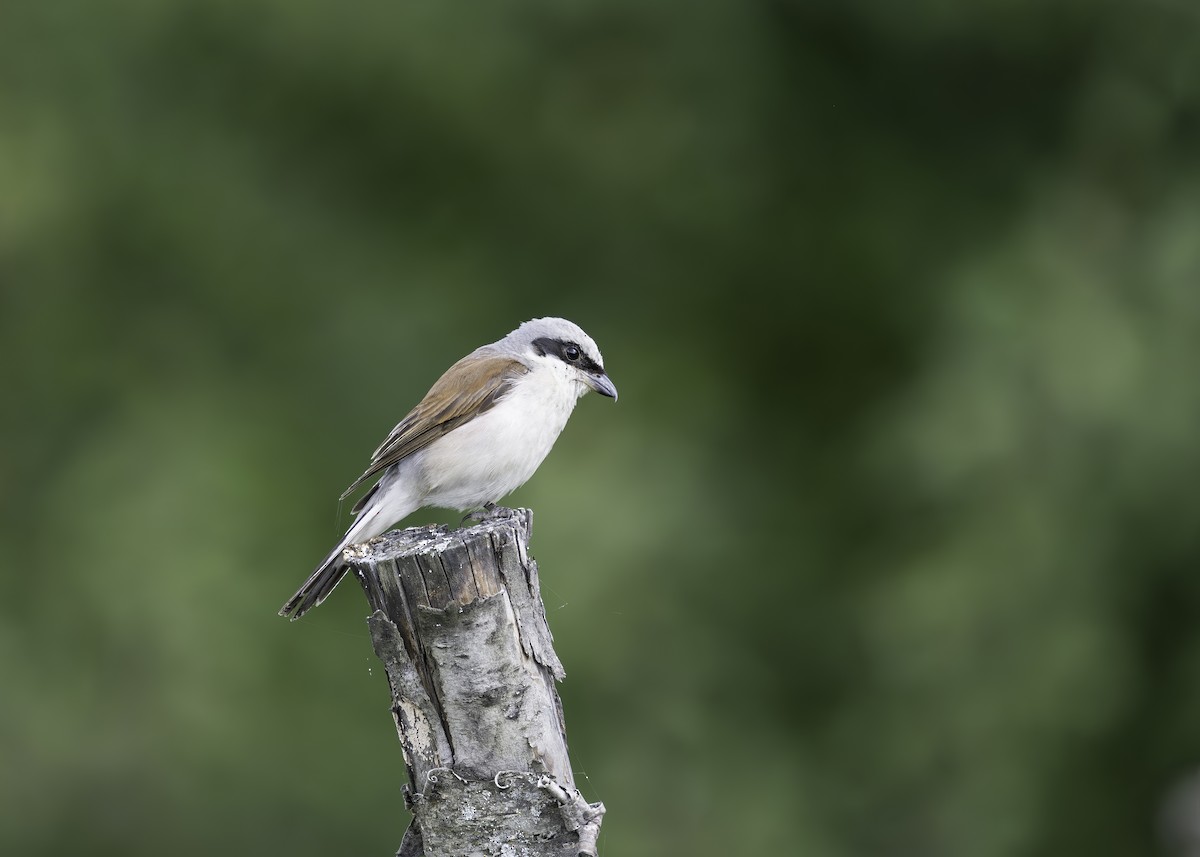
[890, 546]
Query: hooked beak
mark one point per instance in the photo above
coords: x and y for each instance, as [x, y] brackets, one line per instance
[602, 385]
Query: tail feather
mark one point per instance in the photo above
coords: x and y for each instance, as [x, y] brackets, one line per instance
[381, 510]
[318, 586]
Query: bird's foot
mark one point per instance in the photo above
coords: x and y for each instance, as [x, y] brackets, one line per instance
[489, 512]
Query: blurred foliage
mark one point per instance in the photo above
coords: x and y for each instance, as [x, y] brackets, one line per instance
[890, 546]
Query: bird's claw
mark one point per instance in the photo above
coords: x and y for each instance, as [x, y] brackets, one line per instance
[489, 512]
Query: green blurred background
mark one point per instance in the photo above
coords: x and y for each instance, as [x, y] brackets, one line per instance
[889, 548]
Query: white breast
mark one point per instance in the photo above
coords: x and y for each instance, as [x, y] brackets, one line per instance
[491, 456]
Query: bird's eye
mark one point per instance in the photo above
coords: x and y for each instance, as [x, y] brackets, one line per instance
[571, 352]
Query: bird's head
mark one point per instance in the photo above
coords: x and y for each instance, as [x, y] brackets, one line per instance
[564, 346]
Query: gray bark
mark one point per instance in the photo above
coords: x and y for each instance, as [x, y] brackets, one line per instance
[460, 627]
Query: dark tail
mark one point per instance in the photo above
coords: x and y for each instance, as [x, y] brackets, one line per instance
[330, 572]
[317, 587]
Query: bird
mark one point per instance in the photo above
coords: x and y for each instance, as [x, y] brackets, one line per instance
[479, 434]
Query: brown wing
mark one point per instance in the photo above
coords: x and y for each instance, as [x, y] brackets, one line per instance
[470, 387]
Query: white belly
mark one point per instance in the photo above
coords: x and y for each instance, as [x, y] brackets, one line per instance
[491, 456]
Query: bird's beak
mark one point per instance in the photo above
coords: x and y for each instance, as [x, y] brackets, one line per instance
[602, 385]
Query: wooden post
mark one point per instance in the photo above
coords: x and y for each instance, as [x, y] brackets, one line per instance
[460, 627]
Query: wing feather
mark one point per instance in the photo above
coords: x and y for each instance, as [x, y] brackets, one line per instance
[470, 387]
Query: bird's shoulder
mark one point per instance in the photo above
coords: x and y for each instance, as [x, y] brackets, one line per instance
[470, 387]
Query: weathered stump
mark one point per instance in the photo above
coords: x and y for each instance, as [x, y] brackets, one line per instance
[460, 627]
